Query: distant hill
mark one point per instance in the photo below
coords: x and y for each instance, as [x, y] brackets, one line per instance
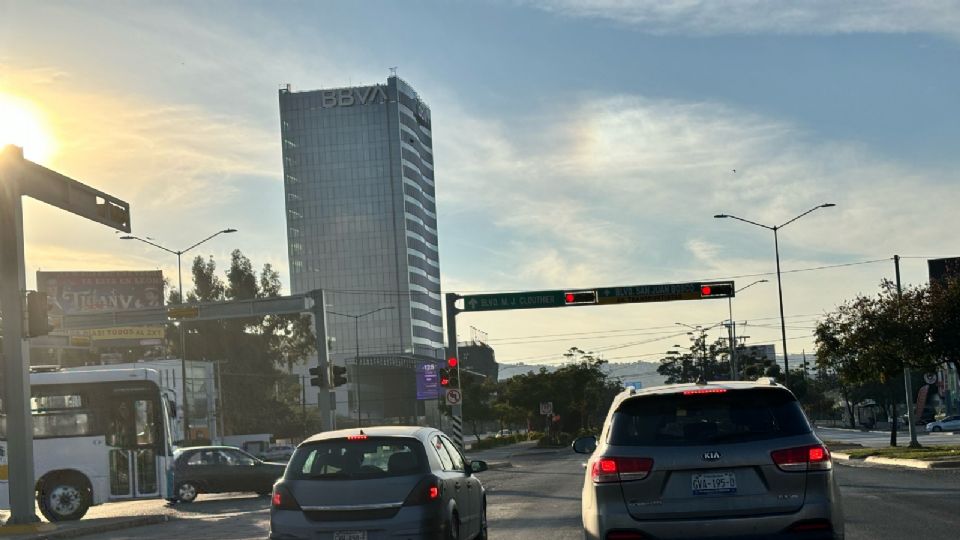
[643, 372]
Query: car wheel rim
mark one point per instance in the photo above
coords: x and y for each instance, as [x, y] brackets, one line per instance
[64, 500]
[187, 491]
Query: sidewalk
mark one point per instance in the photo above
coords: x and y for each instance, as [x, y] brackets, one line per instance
[75, 529]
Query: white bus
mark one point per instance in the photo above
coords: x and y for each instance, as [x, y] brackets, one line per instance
[99, 436]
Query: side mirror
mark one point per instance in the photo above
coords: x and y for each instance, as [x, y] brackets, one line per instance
[585, 445]
[478, 466]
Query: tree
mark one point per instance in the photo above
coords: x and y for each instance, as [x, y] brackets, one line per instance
[869, 340]
[256, 396]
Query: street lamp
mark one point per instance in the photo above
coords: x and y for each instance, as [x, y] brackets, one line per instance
[356, 335]
[183, 353]
[776, 247]
[732, 330]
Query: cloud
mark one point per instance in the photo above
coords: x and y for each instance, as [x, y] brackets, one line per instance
[732, 17]
[626, 195]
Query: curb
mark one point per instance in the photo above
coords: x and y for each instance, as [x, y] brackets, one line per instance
[78, 531]
[898, 462]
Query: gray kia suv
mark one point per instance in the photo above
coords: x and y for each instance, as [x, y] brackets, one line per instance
[709, 460]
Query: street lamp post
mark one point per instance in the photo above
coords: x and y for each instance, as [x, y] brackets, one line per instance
[732, 330]
[356, 335]
[776, 247]
[183, 353]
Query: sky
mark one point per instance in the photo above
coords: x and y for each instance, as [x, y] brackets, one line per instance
[578, 144]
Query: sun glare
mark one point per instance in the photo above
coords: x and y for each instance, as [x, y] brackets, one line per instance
[21, 123]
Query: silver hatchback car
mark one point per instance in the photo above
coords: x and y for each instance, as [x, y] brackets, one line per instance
[714, 460]
[377, 483]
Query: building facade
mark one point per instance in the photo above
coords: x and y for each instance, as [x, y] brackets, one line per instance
[361, 219]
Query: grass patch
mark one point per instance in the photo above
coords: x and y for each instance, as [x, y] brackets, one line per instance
[927, 452]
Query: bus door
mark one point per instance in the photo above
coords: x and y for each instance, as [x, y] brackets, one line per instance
[134, 433]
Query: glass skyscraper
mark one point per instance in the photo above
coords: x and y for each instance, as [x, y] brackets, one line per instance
[361, 216]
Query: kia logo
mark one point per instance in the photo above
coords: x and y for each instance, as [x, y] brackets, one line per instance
[711, 456]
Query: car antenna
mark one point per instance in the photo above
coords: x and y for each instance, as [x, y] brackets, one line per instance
[361, 431]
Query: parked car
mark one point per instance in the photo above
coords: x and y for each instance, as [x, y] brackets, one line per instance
[950, 423]
[393, 481]
[278, 453]
[221, 469]
[503, 433]
[737, 459]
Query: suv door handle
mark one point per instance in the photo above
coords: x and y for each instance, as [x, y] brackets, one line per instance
[457, 485]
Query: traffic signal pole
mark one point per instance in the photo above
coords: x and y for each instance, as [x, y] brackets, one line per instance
[456, 410]
[323, 358]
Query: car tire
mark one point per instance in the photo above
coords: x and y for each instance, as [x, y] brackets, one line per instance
[483, 535]
[936, 429]
[453, 531]
[63, 498]
[187, 492]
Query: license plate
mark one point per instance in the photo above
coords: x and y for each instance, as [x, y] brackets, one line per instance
[708, 483]
[350, 535]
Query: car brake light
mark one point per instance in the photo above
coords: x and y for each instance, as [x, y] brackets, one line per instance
[426, 491]
[704, 391]
[620, 469]
[360, 437]
[811, 525]
[625, 535]
[803, 458]
[283, 499]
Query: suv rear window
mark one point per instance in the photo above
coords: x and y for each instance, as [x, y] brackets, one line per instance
[343, 459]
[728, 417]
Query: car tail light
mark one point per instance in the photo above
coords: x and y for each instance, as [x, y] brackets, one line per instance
[803, 458]
[625, 535]
[620, 469]
[283, 499]
[811, 525]
[426, 491]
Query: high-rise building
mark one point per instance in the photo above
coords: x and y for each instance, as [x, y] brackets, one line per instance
[362, 221]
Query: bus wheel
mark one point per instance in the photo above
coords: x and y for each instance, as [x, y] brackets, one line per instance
[186, 492]
[64, 497]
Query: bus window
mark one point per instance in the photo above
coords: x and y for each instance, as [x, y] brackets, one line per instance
[146, 422]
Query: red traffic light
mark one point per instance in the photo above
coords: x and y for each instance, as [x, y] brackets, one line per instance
[719, 289]
[573, 298]
[444, 381]
[452, 362]
[705, 290]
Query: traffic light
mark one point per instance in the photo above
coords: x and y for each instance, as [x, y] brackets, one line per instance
[38, 321]
[339, 375]
[722, 289]
[573, 298]
[317, 378]
[453, 372]
[445, 377]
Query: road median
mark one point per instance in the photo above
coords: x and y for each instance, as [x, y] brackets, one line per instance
[933, 457]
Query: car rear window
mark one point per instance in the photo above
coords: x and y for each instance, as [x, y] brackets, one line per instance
[727, 417]
[345, 459]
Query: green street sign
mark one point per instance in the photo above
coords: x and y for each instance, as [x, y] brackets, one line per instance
[667, 292]
[523, 300]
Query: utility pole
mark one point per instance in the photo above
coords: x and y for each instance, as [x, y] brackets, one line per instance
[907, 382]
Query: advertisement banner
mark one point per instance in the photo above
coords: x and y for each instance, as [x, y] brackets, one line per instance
[428, 385]
[84, 292]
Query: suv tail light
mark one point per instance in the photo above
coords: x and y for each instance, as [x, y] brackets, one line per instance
[426, 491]
[803, 458]
[283, 499]
[620, 469]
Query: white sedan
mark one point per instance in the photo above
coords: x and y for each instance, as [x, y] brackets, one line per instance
[950, 423]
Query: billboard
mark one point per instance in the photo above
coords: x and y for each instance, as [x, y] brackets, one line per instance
[428, 386]
[71, 293]
[942, 269]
